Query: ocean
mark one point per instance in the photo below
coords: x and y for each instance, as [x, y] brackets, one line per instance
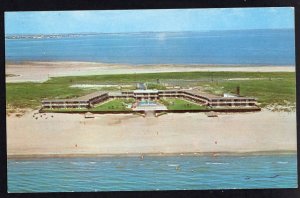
[178, 172]
[243, 47]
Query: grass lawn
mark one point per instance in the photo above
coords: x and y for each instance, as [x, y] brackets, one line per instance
[156, 86]
[152, 77]
[180, 104]
[29, 95]
[114, 105]
[280, 91]
[268, 87]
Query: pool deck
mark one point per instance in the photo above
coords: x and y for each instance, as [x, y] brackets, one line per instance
[157, 107]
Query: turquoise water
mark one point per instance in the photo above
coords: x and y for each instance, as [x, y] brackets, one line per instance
[254, 47]
[147, 103]
[151, 173]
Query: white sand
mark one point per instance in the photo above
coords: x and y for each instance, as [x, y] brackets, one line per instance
[171, 133]
[41, 71]
[121, 134]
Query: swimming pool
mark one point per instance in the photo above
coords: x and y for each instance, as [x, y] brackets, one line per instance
[147, 103]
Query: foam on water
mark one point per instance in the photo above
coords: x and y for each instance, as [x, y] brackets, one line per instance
[282, 162]
[88, 174]
[173, 164]
[217, 163]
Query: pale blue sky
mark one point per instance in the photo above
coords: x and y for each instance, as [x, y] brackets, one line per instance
[47, 22]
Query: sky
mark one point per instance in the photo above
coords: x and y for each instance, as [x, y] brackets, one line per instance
[121, 21]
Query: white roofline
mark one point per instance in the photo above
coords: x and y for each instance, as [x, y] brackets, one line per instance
[145, 91]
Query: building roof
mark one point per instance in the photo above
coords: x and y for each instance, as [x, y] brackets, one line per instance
[64, 100]
[115, 93]
[145, 91]
[84, 98]
[206, 95]
[91, 95]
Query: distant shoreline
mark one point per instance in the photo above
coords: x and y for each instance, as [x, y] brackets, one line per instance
[42, 71]
[79, 34]
[25, 62]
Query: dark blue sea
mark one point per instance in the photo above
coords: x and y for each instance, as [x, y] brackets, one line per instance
[247, 47]
[152, 173]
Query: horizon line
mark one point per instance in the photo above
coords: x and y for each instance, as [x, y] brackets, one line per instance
[89, 33]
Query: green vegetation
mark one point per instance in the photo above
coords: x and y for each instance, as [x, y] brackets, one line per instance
[180, 104]
[152, 77]
[270, 88]
[156, 86]
[114, 105]
[277, 91]
[29, 95]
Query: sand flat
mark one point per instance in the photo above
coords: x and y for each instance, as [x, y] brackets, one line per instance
[42, 71]
[72, 134]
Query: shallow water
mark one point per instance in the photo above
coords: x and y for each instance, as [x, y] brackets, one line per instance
[147, 103]
[257, 47]
[152, 173]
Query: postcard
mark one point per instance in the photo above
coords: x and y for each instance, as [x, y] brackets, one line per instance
[146, 100]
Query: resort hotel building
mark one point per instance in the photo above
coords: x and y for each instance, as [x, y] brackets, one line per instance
[86, 101]
[195, 96]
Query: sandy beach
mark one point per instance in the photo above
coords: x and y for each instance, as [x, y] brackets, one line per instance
[72, 134]
[66, 134]
[42, 71]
